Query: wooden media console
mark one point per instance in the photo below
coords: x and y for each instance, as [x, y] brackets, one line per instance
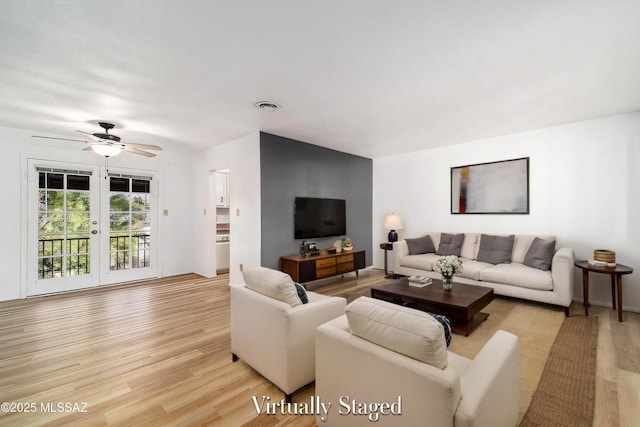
[306, 269]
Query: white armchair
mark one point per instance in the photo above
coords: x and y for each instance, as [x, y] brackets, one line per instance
[270, 335]
[479, 392]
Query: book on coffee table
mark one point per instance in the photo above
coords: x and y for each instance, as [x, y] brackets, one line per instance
[419, 281]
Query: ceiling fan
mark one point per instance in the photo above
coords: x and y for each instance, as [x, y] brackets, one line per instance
[108, 145]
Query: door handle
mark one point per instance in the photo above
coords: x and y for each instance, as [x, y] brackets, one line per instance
[94, 231]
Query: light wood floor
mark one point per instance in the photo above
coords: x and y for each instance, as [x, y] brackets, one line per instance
[158, 353]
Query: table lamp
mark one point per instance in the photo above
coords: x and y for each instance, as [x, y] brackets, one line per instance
[393, 222]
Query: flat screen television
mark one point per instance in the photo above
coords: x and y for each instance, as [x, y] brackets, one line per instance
[316, 217]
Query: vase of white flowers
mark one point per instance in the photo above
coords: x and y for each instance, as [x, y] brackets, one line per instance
[448, 266]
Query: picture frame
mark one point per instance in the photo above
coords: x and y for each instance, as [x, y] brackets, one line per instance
[500, 187]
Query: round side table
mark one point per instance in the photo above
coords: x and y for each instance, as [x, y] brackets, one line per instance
[616, 274]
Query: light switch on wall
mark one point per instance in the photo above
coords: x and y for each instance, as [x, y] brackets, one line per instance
[165, 212]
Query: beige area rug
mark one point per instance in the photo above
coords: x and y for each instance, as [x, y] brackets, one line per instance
[566, 394]
[536, 327]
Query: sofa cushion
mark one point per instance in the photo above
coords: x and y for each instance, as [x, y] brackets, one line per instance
[272, 283]
[404, 330]
[469, 246]
[540, 254]
[420, 245]
[495, 249]
[450, 244]
[422, 261]
[517, 274]
[472, 269]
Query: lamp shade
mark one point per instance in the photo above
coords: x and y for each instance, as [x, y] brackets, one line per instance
[393, 222]
[106, 150]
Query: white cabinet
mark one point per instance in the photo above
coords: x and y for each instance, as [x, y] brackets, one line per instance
[222, 189]
[222, 257]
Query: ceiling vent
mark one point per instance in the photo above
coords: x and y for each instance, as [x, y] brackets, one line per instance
[267, 105]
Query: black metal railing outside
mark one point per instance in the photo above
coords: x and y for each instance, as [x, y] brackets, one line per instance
[77, 253]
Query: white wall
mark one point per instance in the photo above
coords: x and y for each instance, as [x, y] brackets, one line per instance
[175, 194]
[583, 189]
[242, 158]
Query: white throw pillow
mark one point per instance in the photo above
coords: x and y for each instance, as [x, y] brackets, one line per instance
[404, 330]
[272, 283]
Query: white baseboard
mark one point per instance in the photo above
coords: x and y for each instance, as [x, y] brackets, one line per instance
[607, 304]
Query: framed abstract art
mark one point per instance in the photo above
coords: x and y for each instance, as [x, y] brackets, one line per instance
[500, 187]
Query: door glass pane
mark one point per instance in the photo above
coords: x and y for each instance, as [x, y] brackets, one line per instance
[120, 221]
[51, 222]
[140, 221]
[53, 200]
[119, 202]
[119, 184]
[78, 201]
[55, 180]
[78, 182]
[130, 223]
[78, 254]
[79, 221]
[140, 186]
[63, 225]
[140, 202]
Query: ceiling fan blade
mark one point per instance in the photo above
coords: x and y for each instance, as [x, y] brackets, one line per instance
[61, 139]
[143, 146]
[136, 151]
[90, 135]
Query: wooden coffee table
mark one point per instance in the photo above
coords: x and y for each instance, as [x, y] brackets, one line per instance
[462, 304]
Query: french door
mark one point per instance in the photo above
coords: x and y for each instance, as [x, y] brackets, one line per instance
[88, 227]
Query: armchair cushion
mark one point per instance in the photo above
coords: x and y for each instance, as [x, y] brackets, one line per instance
[404, 330]
[272, 283]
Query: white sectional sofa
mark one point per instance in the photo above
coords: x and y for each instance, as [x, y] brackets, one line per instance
[514, 278]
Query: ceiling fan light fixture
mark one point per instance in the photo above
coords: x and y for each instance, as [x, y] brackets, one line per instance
[106, 150]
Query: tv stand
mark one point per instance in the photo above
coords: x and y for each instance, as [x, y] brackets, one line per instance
[306, 269]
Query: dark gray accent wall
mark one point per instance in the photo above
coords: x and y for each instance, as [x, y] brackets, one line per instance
[290, 168]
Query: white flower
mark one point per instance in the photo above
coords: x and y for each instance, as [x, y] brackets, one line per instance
[449, 265]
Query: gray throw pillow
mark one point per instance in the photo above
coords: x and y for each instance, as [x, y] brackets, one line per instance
[450, 244]
[540, 254]
[420, 245]
[495, 249]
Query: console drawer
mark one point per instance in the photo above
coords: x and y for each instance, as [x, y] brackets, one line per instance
[325, 262]
[344, 258]
[327, 271]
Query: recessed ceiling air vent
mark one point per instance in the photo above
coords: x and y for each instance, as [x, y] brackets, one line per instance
[267, 105]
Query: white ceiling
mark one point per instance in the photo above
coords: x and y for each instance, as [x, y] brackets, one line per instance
[368, 77]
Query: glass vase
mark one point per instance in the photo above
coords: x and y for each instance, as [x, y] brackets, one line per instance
[446, 282]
